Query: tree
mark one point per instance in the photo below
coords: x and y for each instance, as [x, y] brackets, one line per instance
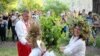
[7, 5]
[56, 6]
[30, 4]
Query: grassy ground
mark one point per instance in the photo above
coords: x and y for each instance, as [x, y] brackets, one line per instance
[9, 48]
[8, 51]
[12, 51]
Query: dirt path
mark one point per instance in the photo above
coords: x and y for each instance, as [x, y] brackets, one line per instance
[7, 44]
[93, 51]
[90, 51]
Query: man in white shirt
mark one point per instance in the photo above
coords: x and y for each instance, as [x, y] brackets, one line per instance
[22, 28]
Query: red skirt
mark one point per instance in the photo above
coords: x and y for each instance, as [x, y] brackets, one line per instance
[23, 50]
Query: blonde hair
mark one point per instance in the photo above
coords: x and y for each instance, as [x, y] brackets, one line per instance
[34, 33]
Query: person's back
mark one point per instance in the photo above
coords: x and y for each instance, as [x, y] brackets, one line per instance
[5, 17]
[9, 22]
[2, 25]
[89, 18]
[35, 52]
[49, 53]
[96, 21]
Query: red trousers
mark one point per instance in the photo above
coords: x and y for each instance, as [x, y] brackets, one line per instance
[23, 50]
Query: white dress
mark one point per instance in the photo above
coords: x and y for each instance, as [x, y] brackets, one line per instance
[35, 52]
[51, 53]
[76, 47]
[38, 51]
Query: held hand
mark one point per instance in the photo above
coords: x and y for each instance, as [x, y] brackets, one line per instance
[29, 41]
[43, 52]
[62, 49]
[41, 45]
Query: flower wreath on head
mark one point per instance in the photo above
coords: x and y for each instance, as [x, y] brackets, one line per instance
[84, 27]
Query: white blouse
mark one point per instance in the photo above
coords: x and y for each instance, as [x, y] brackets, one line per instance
[76, 47]
[38, 51]
[35, 52]
[21, 31]
[51, 53]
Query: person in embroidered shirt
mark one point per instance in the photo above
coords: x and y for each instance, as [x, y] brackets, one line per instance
[22, 28]
[76, 46]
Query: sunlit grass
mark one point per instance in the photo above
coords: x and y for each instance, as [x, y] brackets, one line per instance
[8, 51]
[12, 51]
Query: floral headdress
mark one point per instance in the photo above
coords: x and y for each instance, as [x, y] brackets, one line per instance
[84, 28]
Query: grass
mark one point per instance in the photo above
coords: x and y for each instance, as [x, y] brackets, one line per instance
[12, 51]
[8, 51]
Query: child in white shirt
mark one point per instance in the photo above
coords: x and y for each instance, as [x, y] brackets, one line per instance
[33, 40]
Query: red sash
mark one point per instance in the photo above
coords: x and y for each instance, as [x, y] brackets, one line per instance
[23, 50]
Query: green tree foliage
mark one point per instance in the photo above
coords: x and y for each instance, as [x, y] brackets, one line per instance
[55, 6]
[7, 5]
[51, 32]
[29, 5]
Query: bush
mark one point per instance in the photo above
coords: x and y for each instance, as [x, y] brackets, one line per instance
[51, 32]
